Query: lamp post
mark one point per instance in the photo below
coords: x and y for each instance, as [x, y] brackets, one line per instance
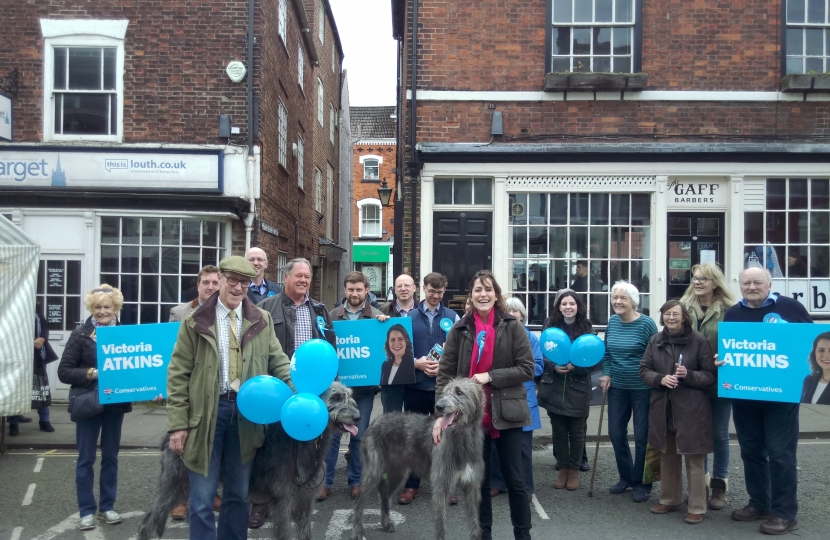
[384, 193]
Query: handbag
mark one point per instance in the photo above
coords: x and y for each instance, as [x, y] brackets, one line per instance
[83, 402]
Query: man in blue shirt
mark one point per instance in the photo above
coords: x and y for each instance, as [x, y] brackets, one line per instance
[260, 288]
[767, 430]
[426, 332]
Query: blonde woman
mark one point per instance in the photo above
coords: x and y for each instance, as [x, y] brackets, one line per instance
[707, 299]
[79, 368]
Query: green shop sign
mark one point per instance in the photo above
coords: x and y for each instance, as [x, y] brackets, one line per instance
[364, 253]
[680, 264]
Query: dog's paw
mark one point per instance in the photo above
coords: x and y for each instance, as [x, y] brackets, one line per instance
[388, 526]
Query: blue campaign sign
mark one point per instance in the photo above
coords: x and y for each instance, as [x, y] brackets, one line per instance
[132, 361]
[375, 353]
[771, 362]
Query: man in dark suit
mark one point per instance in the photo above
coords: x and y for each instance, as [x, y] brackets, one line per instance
[260, 287]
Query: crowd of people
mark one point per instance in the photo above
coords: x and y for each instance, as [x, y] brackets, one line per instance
[241, 325]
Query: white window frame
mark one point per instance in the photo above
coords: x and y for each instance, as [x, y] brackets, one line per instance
[283, 134]
[81, 33]
[321, 99]
[282, 22]
[362, 160]
[361, 207]
[329, 201]
[331, 123]
[282, 261]
[300, 161]
[321, 30]
[300, 64]
[809, 60]
[318, 190]
[591, 25]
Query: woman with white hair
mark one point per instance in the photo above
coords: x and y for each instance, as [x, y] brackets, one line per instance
[497, 485]
[79, 367]
[626, 339]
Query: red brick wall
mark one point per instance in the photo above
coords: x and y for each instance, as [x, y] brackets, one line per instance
[369, 189]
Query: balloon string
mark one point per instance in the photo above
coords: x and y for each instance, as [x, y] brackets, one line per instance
[565, 388]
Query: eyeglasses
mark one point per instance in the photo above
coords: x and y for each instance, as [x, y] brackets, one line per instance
[233, 282]
[699, 279]
[105, 290]
[672, 315]
[432, 292]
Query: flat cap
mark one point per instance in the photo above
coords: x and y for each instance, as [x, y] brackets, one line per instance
[237, 264]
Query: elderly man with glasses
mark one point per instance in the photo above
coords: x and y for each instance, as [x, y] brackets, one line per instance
[225, 342]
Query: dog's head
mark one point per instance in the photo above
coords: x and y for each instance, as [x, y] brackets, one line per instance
[343, 411]
[461, 402]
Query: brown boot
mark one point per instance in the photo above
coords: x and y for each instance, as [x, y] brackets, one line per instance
[562, 480]
[179, 512]
[718, 500]
[573, 480]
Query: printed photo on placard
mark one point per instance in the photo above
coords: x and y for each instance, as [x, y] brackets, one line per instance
[373, 353]
[133, 360]
[777, 362]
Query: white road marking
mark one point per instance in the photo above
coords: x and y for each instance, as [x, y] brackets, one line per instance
[27, 500]
[70, 522]
[16, 533]
[341, 522]
[539, 510]
[94, 534]
[39, 464]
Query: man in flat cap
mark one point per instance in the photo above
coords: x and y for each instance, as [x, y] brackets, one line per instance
[225, 342]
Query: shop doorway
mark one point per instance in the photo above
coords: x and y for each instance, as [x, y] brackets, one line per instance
[462, 245]
[694, 238]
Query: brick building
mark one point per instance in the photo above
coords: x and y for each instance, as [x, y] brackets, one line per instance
[148, 142]
[373, 163]
[640, 137]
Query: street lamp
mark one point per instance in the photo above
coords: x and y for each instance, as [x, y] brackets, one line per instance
[384, 193]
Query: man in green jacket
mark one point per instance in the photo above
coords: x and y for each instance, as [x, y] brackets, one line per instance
[225, 342]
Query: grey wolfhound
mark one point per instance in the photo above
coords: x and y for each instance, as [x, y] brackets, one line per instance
[286, 473]
[399, 443]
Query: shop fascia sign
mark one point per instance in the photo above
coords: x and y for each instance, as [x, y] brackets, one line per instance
[66, 168]
[685, 194]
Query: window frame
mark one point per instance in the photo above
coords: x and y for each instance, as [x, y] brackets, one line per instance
[329, 201]
[300, 162]
[300, 65]
[366, 166]
[440, 179]
[636, 45]
[321, 30]
[318, 190]
[282, 133]
[49, 94]
[825, 26]
[282, 261]
[321, 100]
[282, 20]
[361, 207]
[331, 123]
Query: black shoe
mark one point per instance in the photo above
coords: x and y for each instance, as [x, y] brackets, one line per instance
[778, 526]
[556, 466]
[641, 493]
[584, 467]
[47, 427]
[748, 513]
[24, 420]
[620, 487]
[14, 430]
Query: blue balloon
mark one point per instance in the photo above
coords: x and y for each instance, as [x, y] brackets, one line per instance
[261, 399]
[587, 351]
[556, 346]
[304, 417]
[314, 366]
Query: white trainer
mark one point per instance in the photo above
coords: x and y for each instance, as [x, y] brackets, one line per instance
[111, 517]
[87, 523]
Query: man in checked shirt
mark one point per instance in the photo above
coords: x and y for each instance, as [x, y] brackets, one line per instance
[297, 318]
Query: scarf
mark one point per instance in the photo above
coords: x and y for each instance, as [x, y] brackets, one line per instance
[482, 362]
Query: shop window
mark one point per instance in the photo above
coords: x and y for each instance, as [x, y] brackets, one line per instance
[582, 241]
[791, 237]
[806, 42]
[593, 36]
[282, 260]
[370, 214]
[83, 79]
[154, 261]
[463, 191]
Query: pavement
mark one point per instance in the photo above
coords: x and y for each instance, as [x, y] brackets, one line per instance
[147, 424]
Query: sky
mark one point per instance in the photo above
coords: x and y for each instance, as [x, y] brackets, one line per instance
[365, 28]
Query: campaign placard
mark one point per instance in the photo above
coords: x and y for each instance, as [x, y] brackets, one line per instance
[133, 360]
[774, 362]
[375, 353]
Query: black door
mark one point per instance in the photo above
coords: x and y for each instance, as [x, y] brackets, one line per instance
[462, 244]
[694, 238]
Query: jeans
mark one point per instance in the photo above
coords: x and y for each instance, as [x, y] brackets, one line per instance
[108, 425]
[496, 475]
[421, 402]
[721, 411]
[568, 440]
[621, 404]
[364, 405]
[225, 458]
[768, 436]
[391, 397]
[43, 415]
[509, 447]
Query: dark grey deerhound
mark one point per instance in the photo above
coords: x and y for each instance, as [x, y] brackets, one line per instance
[399, 443]
[286, 472]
